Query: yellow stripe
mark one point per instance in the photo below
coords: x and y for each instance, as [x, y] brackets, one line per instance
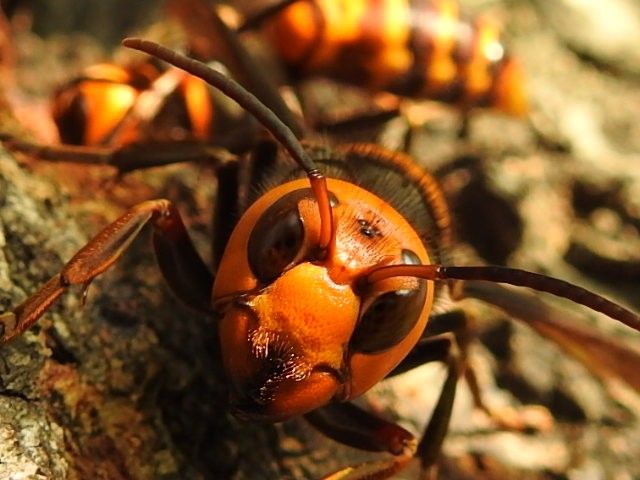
[293, 31]
[441, 69]
[478, 77]
[107, 71]
[343, 19]
[106, 105]
[199, 106]
[509, 89]
[394, 57]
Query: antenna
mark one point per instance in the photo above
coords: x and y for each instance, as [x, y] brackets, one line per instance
[511, 276]
[263, 114]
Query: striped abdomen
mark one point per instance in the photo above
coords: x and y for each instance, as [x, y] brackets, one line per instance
[415, 48]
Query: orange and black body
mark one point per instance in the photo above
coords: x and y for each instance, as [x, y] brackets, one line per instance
[102, 107]
[88, 109]
[413, 48]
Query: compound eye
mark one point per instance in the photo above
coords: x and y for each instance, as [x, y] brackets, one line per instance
[390, 317]
[277, 237]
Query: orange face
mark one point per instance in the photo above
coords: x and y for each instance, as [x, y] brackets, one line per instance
[299, 329]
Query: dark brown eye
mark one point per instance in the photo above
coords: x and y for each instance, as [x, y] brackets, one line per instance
[277, 237]
[390, 317]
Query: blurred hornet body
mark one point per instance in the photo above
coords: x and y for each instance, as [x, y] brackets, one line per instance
[413, 48]
[114, 105]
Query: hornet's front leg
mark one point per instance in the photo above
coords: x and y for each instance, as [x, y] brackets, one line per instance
[179, 261]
